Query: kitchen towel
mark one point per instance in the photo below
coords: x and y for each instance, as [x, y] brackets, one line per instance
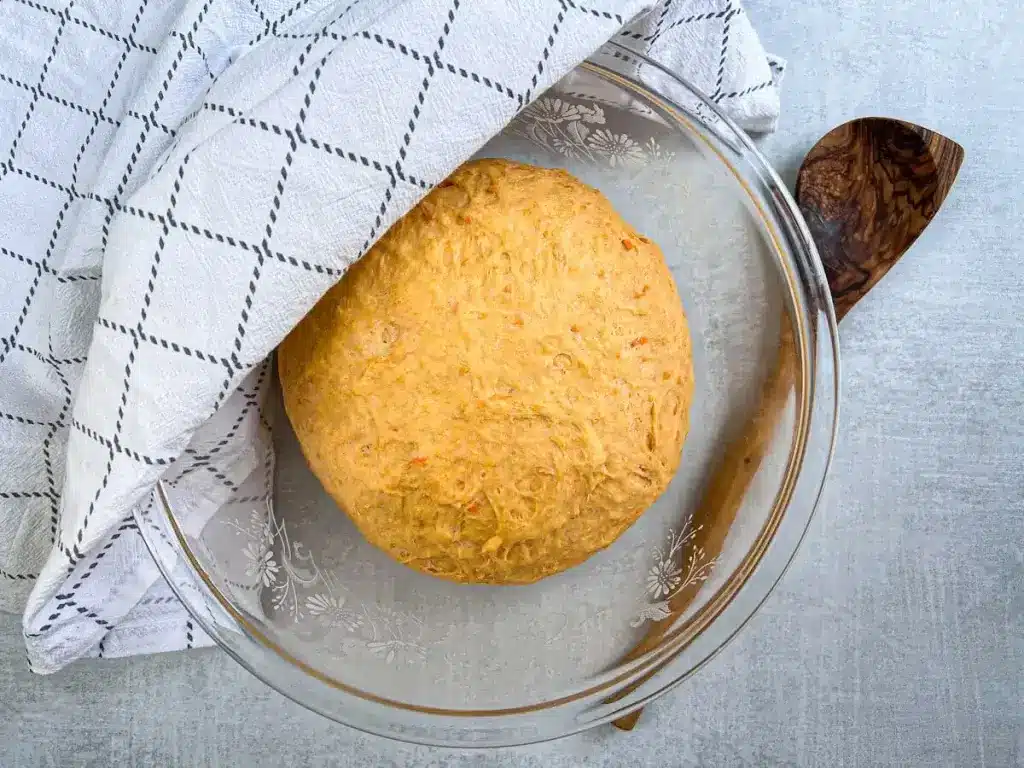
[179, 182]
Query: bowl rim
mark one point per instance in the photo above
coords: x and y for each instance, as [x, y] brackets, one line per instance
[656, 670]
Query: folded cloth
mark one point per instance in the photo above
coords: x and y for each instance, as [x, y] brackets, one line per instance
[179, 183]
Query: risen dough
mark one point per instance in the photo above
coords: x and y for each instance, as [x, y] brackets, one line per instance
[501, 386]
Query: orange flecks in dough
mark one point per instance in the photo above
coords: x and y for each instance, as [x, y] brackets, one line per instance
[543, 447]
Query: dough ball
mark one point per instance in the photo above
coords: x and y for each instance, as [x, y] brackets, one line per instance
[501, 386]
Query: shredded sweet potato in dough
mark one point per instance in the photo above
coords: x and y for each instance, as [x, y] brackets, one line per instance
[501, 386]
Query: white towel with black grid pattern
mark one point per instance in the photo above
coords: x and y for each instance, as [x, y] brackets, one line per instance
[179, 182]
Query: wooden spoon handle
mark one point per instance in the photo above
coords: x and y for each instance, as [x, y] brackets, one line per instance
[724, 495]
[867, 190]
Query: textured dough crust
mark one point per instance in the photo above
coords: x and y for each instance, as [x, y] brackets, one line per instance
[501, 386]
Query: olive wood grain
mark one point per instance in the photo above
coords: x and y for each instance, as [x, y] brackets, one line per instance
[867, 189]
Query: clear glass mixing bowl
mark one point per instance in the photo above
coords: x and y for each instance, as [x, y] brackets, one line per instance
[284, 582]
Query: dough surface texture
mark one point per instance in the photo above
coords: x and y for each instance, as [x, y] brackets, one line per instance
[501, 386]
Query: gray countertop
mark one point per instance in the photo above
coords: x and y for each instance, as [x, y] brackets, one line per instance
[897, 636]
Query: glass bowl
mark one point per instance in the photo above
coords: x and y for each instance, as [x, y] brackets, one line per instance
[283, 581]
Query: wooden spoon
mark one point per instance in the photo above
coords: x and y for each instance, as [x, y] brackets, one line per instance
[867, 189]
